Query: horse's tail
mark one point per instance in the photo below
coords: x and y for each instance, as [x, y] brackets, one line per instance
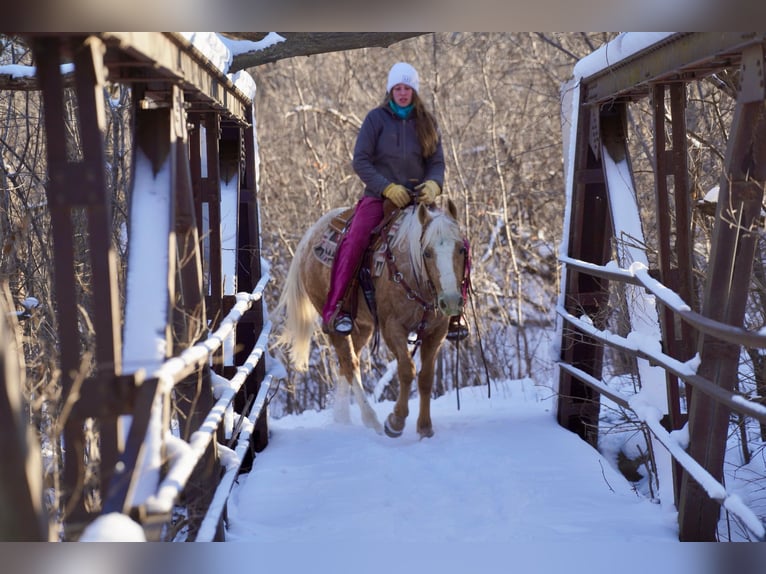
[300, 314]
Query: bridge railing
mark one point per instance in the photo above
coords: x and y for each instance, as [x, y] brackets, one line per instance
[176, 384]
[686, 316]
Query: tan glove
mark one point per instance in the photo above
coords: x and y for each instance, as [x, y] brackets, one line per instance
[429, 189]
[397, 194]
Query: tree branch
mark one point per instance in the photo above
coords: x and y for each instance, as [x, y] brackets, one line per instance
[308, 43]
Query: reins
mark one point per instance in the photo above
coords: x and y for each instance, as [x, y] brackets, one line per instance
[413, 295]
[468, 294]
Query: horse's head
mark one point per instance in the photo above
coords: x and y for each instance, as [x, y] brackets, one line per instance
[445, 254]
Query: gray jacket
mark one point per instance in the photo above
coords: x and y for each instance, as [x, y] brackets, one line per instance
[388, 151]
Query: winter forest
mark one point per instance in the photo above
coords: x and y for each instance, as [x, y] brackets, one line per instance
[497, 100]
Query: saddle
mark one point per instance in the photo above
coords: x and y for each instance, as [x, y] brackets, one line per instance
[372, 262]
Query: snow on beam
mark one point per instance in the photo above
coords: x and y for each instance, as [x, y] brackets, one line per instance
[638, 274]
[650, 349]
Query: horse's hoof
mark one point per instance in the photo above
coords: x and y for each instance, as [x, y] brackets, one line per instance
[391, 420]
[426, 433]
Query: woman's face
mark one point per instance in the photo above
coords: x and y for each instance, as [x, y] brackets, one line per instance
[402, 94]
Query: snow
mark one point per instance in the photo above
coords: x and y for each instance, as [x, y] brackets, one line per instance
[244, 46]
[621, 47]
[146, 306]
[244, 82]
[498, 471]
[221, 50]
[21, 71]
[213, 48]
[113, 527]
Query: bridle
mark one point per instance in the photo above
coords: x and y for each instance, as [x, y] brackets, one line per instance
[396, 276]
[414, 295]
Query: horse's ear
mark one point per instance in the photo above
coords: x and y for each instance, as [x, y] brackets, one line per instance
[452, 208]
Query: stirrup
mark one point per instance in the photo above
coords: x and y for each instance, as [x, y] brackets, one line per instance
[343, 324]
[458, 329]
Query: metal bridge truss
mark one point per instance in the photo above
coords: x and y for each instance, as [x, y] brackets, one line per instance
[176, 92]
[707, 320]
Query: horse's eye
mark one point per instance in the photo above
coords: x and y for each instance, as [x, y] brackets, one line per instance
[427, 253]
[462, 251]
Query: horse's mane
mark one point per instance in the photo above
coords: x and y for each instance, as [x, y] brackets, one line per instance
[408, 236]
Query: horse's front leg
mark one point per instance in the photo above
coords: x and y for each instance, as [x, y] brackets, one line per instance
[394, 425]
[428, 350]
[349, 368]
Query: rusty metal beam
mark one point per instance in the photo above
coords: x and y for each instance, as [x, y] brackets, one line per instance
[211, 195]
[153, 56]
[248, 275]
[675, 262]
[578, 406]
[171, 56]
[78, 186]
[728, 279]
[683, 56]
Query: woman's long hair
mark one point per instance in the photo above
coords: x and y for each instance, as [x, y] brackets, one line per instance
[425, 124]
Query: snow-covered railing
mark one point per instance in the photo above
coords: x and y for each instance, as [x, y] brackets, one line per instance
[232, 462]
[673, 443]
[183, 456]
[186, 455]
[649, 350]
[175, 369]
[639, 275]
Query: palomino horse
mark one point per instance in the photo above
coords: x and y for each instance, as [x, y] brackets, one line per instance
[420, 287]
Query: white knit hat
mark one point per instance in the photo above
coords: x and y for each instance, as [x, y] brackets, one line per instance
[403, 73]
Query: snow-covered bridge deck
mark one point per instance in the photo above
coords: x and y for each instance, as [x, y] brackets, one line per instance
[499, 470]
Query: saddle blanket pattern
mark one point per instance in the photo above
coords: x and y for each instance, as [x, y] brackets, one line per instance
[327, 246]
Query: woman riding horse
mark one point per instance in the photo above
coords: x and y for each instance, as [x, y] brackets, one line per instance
[398, 148]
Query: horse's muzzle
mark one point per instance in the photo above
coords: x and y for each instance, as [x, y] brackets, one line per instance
[450, 304]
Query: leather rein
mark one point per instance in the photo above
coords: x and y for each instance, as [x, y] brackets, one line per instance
[414, 295]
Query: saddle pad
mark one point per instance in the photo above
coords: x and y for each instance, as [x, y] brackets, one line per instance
[325, 249]
[327, 246]
[379, 246]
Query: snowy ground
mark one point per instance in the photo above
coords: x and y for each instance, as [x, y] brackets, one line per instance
[499, 476]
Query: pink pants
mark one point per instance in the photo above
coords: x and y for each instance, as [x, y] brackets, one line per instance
[367, 214]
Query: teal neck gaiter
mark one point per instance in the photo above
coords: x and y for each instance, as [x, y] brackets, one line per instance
[401, 112]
